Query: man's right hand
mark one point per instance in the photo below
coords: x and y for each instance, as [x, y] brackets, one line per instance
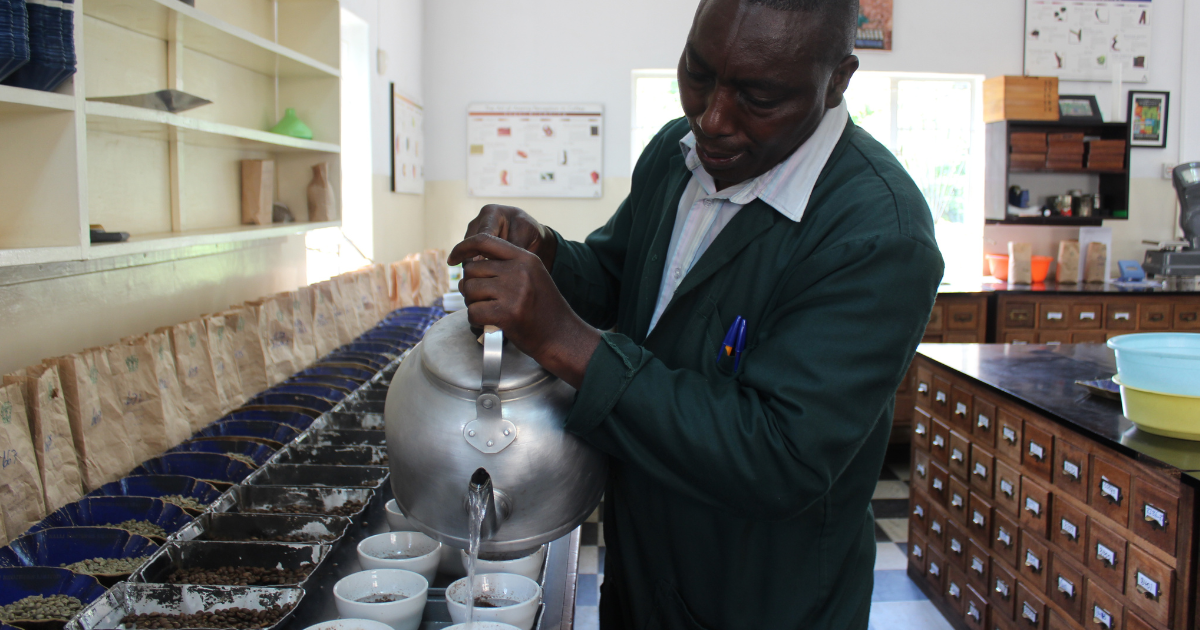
[516, 227]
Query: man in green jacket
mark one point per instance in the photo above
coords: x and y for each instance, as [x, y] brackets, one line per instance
[741, 469]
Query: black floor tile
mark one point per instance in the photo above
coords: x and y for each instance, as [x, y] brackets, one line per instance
[890, 508]
[590, 534]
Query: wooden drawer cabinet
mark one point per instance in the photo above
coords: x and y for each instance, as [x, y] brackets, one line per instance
[1065, 586]
[979, 516]
[1031, 607]
[978, 560]
[982, 464]
[1032, 559]
[1103, 610]
[1003, 591]
[1149, 584]
[975, 609]
[924, 388]
[935, 324]
[956, 502]
[1068, 529]
[1186, 316]
[956, 545]
[956, 585]
[1155, 514]
[960, 409]
[1154, 316]
[1008, 488]
[1054, 315]
[1035, 507]
[920, 471]
[1070, 468]
[939, 482]
[1120, 316]
[984, 426]
[1087, 315]
[1037, 456]
[1106, 555]
[1005, 535]
[916, 552]
[1059, 318]
[1019, 314]
[941, 398]
[960, 448]
[935, 569]
[1009, 435]
[1110, 489]
[918, 513]
[922, 423]
[936, 534]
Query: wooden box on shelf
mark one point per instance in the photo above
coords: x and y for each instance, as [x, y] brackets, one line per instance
[1020, 98]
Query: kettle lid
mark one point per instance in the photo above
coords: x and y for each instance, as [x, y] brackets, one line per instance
[452, 353]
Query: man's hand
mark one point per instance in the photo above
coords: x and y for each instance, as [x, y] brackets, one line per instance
[507, 286]
[516, 227]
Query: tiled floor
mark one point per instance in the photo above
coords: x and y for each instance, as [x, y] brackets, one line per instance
[896, 603]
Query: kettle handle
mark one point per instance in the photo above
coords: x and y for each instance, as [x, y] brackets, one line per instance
[489, 432]
[493, 352]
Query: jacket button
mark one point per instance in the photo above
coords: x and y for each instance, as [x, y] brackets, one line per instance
[654, 258]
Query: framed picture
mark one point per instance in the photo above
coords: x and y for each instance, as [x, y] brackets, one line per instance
[1079, 107]
[1148, 118]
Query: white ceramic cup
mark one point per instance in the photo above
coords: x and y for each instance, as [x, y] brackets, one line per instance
[350, 624]
[397, 521]
[399, 615]
[425, 553]
[500, 586]
[482, 625]
[529, 565]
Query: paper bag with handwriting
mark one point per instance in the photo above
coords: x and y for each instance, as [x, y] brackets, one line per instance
[382, 289]
[46, 411]
[276, 328]
[402, 285]
[101, 442]
[197, 381]
[113, 409]
[345, 314]
[371, 309]
[242, 324]
[21, 494]
[435, 259]
[224, 362]
[431, 284]
[304, 349]
[141, 398]
[352, 303]
[178, 426]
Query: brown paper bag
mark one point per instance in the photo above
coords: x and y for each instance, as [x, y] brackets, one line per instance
[276, 328]
[242, 324]
[436, 261]
[325, 328]
[371, 310]
[353, 300]
[224, 359]
[304, 350]
[101, 442]
[431, 285]
[197, 381]
[411, 292]
[1095, 269]
[21, 494]
[403, 289]
[381, 288]
[345, 313]
[113, 409]
[136, 382]
[178, 425]
[1020, 263]
[1067, 271]
[46, 411]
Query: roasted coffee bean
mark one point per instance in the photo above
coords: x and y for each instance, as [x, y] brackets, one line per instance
[107, 566]
[238, 618]
[36, 607]
[142, 528]
[186, 503]
[294, 538]
[240, 576]
[349, 508]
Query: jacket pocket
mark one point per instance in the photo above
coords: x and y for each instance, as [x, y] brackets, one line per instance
[670, 612]
[714, 343]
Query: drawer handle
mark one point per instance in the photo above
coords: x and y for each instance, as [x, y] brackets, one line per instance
[957, 455]
[1070, 469]
[1087, 315]
[1110, 491]
[954, 591]
[1155, 317]
[979, 519]
[960, 409]
[1057, 315]
[1147, 586]
[922, 388]
[1053, 343]
[1019, 316]
[933, 569]
[955, 546]
[1027, 612]
[1156, 517]
[1187, 317]
[983, 422]
[977, 565]
[1069, 529]
[1102, 617]
[1006, 487]
[919, 429]
[1003, 537]
[936, 528]
[917, 551]
[1032, 561]
[940, 396]
[1010, 435]
[980, 470]
[939, 441]
[919, 512]
[1002, 588]
[921, 469]
[1121, 317]
[1106, 555]
[973, 612]
[956, 500]
[938, 484]
[963, 317]
[1036, 451]
[1033, 507]
[1066, 587]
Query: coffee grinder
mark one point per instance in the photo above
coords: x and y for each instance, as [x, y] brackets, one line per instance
[1178, 263]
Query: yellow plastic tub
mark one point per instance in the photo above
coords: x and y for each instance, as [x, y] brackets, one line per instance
[1161, 414]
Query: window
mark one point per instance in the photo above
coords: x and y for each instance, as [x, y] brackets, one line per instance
[933, 123]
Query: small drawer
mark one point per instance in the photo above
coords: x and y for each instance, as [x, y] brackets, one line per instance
[1102, 610]
[983, 427]
[998, 622]
[1054, 316]
[1010, 432]
[1020, 338]
[1035, 507]
[939, 482]
[978, 560]
[939, 441]
[935, 569]
[1019, 315]
[1008, 488]
[1155, 512]
[1154, 316]
[920, 470]
[935, 324]
[1098, 336]
[936, 534]
[1005, 535]
[1087, 315]
[941, 397]
[960, 450]
[1187, 316]
[956, 584]
[956, 502]
[918, 513]
[979, 516]
[1065, 586]
[982, 463]
[1003, 590]
[1120, 316]
[1054, 337]
[1149, 584]
[1106, 555]
[1110, 490]
[1055, 621]
[963, 316]
[1037, 454]
[1031, 607]
[1070, 468]
[956, 544]
[922, 424]
[961, 337]
[1133, 621]
[975, 609]
[1033, 559]
[960, 409]
[924, 388]
[917, 552]
[1068, 529]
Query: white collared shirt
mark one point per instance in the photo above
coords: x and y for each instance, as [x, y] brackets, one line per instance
[704, 211]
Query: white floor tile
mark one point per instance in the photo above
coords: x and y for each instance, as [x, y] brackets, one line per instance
[589, 559]
[887, 557]
[890, 490]
[594, 517]
[900, 468]
[600, 533]
[907, 616]
[895, 528]
[587, 618]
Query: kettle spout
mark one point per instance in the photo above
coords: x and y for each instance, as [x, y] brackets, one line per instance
[482, 498]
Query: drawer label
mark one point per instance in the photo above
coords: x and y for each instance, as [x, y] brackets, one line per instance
[957, 455]
[1110, 490]
[1066, 587]
[1032, 561]
[954, 591]
[955, 546]
[1102, 617]
[981, 470]
[984, 421]
[1054, 315]
[1155, 515]
[1010, 435]
[1036, 450]
[977, 565]
[922, 388]
[973, 612]
[921, 469]
[933, 569]
[1071, 469]
[1121, 316]
[937, 484]
[979, 519]
[917, 551]
[1107, 555]
[1006, 487]
[940, 396]
[1070, 529]
[1033, 506]
[1004, 537]
[919, 511]
[960, 409]
[939, 441]
[1087, 315]
[956, 500]
[919, 429]
[935, 527]
[1146, 584]
[1028, 612]
[1002, 588]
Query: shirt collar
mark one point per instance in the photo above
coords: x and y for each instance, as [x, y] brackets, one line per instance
[789, 184]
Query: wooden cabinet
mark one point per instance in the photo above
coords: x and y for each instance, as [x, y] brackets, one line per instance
[1037, 525]
[1055, 318]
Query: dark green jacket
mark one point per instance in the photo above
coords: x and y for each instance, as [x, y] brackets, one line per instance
[742, 500]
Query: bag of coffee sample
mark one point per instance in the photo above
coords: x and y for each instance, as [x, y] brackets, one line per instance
[178, 426]
[353, 303]
[113, 409]
[197, 381]
[276, 328]
[21, 495]
[242, 326]
[382, 290]
[101, 442]
[304, 351]
[325, 328]
[408, 281]
[345, 312]
[224, 362]
[369, 315]
[143, 404]
[50, 430]
[431, 285]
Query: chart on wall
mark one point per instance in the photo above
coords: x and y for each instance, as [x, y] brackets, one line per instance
[1088, 40]
[535, 150]
[408, 145]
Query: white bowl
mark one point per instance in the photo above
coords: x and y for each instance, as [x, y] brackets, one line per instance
[529, 565]
[424, 553]
[350, 624]
[450, 564]
[500, 586]
[399, 615]
[397, 521]
[482, 625]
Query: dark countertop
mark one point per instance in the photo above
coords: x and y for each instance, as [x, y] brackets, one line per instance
[1043, 378]
[991, 285]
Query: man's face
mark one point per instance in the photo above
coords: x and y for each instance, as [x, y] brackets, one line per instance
[754, 83]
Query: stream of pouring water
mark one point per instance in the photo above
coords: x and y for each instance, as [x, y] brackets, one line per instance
[477, 503]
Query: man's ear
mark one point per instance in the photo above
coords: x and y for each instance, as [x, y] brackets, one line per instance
[839, 80]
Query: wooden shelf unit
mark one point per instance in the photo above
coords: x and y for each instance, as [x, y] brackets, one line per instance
[171, 180]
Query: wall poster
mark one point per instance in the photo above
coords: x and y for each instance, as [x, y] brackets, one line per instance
[535, 150]
[1087, 40]
[874, 25]
[408, 140]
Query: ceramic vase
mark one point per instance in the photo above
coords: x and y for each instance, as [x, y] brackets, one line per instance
[321, 203]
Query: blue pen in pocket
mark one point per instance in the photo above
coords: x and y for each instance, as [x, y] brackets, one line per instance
[735, 342]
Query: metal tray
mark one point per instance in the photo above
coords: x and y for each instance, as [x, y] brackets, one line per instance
[350, 437]
[333, 455]
[247, 499]
[129, 598]
[367, 421]
[326, 530]
[210, 555]
[319, 476]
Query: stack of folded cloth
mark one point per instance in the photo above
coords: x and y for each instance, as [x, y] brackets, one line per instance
[51, 28]
[14, 36]
[1106, 155]
[1065, 151]
[1027, 150]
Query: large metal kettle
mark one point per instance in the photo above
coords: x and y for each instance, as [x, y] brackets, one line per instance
[456, 406]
